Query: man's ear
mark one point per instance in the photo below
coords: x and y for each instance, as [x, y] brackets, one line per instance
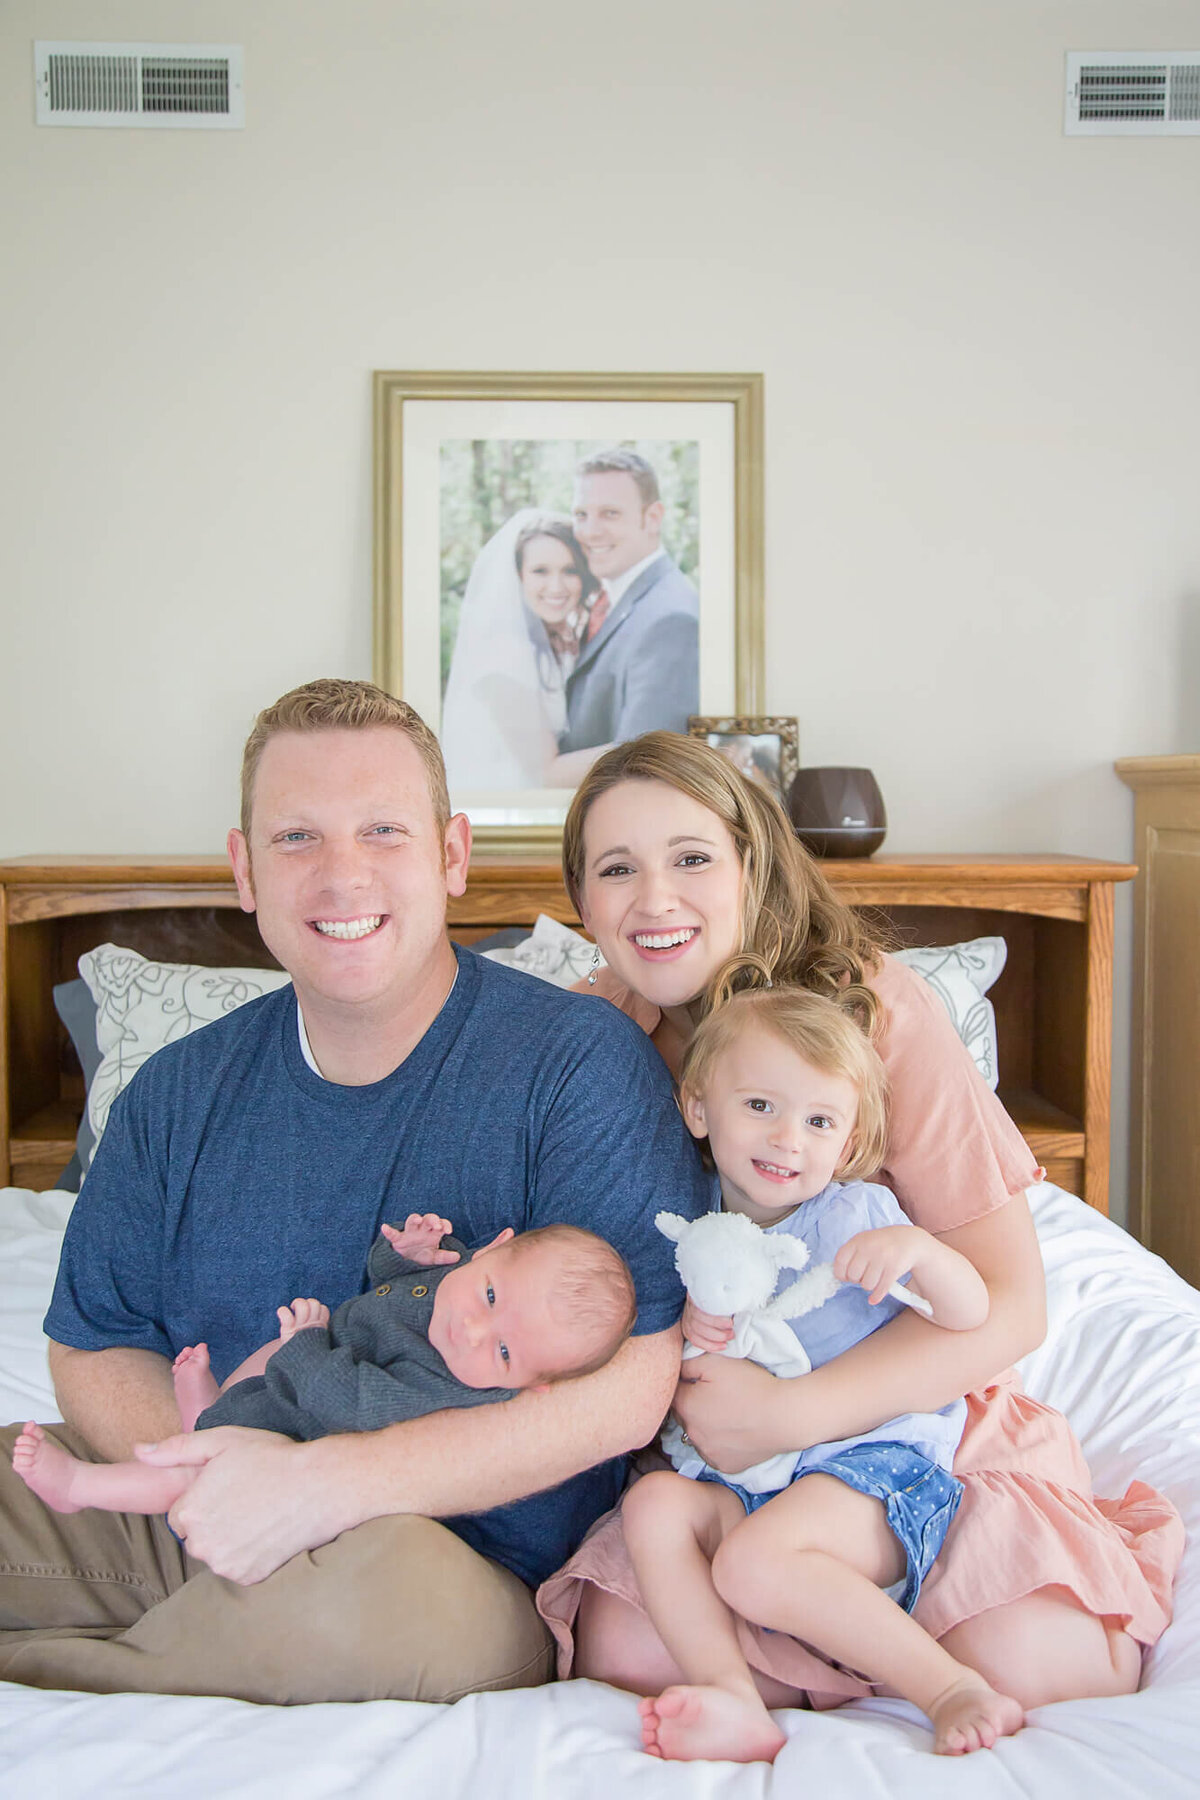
[458, 854]
[239, 858]
[654, 515]
[692, 1108]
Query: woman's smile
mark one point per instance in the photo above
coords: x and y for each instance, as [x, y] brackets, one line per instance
[665, 946]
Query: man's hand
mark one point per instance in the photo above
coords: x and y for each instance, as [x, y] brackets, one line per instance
[726, 1406]
[420, 1240]
[256, 1502]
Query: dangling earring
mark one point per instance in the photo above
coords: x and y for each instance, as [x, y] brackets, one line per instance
[595, 965]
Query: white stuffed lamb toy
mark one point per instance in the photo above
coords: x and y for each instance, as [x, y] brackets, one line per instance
[728, 1265]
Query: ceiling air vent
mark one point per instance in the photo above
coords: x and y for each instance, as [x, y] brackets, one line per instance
[172, 86]
[1133, 93]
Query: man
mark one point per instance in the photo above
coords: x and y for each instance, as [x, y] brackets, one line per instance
[639, 664]
[255, 1160]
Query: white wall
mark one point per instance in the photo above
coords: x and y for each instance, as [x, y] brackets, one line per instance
[978, 338]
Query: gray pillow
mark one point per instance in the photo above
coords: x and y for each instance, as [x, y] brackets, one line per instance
[75, 1007]
[505, 939]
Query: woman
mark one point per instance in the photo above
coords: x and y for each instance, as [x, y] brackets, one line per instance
[676, 864]
[522, 619]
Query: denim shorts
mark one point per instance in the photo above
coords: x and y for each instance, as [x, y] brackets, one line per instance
[919, 1497]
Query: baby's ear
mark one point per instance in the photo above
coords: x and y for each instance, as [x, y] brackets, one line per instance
[501, 1237]
[849, 1152]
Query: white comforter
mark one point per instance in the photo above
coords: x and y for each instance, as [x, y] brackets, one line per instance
[1122, 1359]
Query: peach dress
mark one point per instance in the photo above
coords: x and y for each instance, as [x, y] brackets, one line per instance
[1028, 1517]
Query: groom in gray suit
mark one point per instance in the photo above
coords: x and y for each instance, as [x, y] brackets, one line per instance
[639, 663]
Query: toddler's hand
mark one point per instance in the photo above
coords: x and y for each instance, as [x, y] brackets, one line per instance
[300, 1316]
[708, 1331]
[420, 1238]
[875, 1259]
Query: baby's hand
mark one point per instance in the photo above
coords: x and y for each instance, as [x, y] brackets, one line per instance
[300, 1316]
[876, 1259]
[708, 1331]
[420, 1238]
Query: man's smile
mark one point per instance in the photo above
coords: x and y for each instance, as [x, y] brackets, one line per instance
[349, 929]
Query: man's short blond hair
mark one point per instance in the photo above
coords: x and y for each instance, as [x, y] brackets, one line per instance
[331, 704]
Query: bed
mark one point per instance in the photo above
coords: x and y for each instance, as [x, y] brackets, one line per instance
[1121, 1357]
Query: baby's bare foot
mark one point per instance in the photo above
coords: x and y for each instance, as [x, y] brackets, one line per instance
[971, 1716]
[692, 1724]
[46, 1468]
[195, 1384]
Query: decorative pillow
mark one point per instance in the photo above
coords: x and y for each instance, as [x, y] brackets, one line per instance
[75, 1007]
[962, 974]
[142, 1005]
[552, 951]
[504, 939]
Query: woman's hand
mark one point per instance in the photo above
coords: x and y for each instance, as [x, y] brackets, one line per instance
[729, 1408]
[708, 1331]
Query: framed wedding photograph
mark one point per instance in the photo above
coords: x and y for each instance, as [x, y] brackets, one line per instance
[561, 563]
[767, 750]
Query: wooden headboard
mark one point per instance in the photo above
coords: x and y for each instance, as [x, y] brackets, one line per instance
[1053, 1002]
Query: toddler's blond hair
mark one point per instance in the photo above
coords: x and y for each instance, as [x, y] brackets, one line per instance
[828, 1031]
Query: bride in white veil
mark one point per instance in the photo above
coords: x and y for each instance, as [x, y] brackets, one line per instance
[518, 635]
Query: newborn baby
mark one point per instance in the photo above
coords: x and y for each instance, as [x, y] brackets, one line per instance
[440, 1327]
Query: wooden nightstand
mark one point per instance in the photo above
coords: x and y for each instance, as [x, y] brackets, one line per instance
[1053, 1002]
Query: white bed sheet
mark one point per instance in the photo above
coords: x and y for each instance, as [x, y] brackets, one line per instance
[1122, 1358]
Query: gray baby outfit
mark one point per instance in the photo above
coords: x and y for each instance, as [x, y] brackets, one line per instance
[371, 1366]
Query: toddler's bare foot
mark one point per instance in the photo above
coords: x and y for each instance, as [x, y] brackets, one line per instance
[195, 1383]
[692, 1724]
[46, 1468]
[299, 1316]
[971, 1716]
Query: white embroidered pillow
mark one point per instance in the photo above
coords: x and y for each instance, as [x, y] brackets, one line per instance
[142, 1005]
[553, 952]
[961, 975]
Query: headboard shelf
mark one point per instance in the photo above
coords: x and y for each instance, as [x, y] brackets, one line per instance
[1053, 1002]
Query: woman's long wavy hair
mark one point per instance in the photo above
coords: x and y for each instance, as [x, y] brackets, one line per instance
[795, 931]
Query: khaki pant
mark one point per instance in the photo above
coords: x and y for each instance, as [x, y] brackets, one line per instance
[111, 1603]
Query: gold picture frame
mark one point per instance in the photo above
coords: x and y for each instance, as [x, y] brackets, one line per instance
[428, 423]
[773, 763]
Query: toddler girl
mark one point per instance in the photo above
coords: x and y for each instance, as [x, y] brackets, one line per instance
[791, 1095]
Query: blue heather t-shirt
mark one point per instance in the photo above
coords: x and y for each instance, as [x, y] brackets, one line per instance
[231, 1178]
